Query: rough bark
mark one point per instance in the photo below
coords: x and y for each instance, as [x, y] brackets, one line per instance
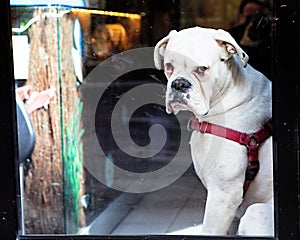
[50, 66]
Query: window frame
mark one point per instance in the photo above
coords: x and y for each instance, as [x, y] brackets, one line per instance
[286, 137]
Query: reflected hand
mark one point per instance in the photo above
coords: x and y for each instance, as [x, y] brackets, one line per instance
[39, 99]
[23, 92]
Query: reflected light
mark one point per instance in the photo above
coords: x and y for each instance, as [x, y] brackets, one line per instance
[107, 13]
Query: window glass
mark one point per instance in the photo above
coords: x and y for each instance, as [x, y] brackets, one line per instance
[127, 127]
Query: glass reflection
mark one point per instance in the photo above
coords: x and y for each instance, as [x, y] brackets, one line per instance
[74, 65]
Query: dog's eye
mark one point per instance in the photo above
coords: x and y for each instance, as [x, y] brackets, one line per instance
[169, 68]
[200, 70]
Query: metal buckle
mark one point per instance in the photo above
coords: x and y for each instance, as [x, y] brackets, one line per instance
[189, 125]
[253, 142]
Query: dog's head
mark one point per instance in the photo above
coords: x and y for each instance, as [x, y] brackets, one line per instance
[195, 61]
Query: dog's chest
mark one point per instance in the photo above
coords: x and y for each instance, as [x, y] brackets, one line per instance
[216, 159]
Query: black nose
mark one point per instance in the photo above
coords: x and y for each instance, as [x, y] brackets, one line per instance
[180, 84]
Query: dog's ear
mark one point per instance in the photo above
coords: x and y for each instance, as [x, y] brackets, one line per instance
[160, 48]
[224, 39]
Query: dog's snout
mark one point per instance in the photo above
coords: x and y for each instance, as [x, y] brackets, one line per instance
[180, 84]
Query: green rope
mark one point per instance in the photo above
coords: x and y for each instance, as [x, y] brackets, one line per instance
[73, 168]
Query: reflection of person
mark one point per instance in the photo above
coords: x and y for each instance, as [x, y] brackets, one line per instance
[37, 99]
[254, 34]
[26, 104]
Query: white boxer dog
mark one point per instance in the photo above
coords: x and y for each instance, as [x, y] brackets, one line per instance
[208, 74]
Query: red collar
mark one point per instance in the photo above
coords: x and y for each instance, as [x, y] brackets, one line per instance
[250, 141]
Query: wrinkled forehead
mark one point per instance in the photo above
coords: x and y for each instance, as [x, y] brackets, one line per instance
[195, 47]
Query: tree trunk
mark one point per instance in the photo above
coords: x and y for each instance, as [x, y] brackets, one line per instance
[51, 66]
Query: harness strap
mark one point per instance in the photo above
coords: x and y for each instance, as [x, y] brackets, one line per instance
[250, 141]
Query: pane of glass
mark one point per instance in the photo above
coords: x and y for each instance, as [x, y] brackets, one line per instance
[106, 93]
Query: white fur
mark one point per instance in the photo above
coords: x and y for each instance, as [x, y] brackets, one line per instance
[257, 221]
[229, 93]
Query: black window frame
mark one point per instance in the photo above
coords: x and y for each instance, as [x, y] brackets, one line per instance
[286, 112]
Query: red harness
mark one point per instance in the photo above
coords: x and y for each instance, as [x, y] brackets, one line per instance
[250, 141]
